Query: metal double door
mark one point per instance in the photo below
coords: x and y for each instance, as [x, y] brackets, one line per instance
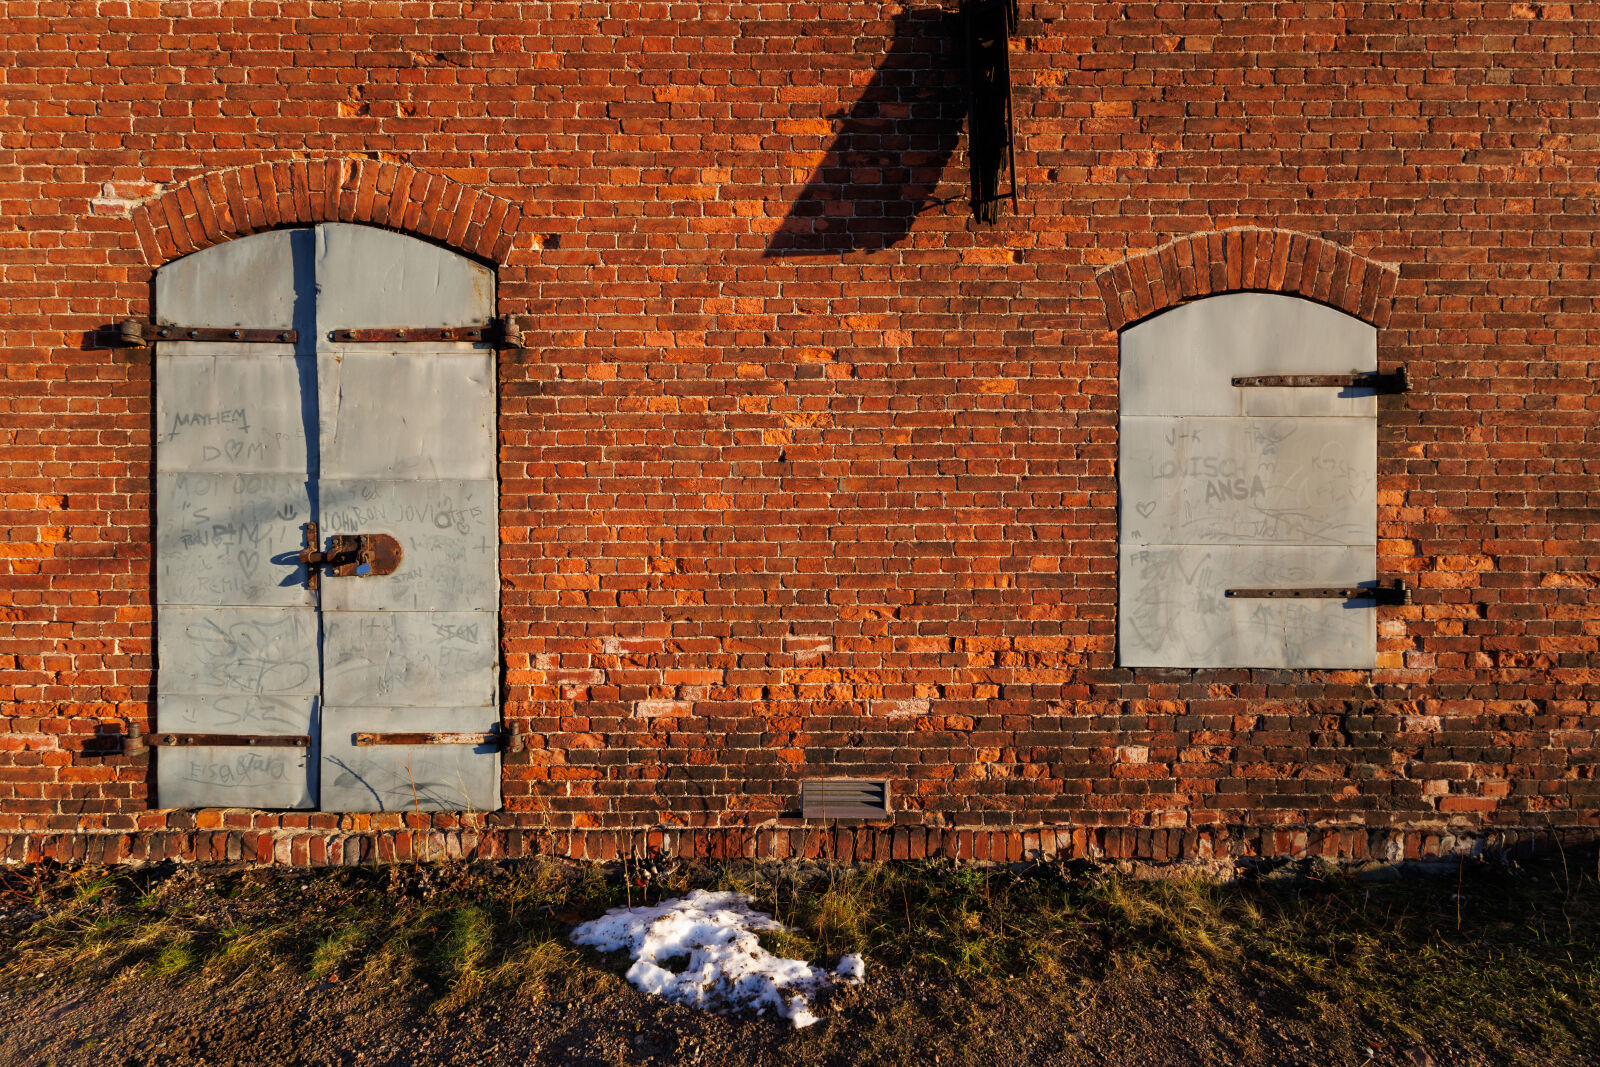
[326, 527]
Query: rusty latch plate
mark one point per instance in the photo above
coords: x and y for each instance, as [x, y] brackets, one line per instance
[1379, 383]
[492, 737]
[360, 555]
[1391, 593]
[230, 740]
[139, 334]
[348, 556]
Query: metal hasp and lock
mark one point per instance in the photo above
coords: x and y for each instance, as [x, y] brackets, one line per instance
[348, 433]
[349, 556]
[1243, 466]
[991, 129]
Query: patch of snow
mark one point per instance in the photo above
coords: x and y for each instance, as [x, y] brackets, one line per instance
[715, 933]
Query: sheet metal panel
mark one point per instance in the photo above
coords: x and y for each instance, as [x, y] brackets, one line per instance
[409, 659]
[250, 281]
[1172, 610]
[237, 713]
[1182, 361]
[407, 413]
[220, 412]
[231, 650]
[448, 535]
[205, 776]
[408, 777]
[258, 777]
[230, 539]
[1269, 481]
[376, 278]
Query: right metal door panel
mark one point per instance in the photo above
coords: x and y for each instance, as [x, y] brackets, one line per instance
[407, 444]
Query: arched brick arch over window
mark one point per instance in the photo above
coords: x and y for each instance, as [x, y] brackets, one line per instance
[1246, 258]
[225, 204]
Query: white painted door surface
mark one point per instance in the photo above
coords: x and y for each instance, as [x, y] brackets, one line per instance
[391, 438]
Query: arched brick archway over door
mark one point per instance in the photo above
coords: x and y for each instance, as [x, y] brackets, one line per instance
[222, 205]
[1247, 258]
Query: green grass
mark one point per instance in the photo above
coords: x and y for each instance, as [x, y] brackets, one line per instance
[1509, 962]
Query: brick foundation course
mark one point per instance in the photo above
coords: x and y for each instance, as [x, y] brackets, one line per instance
[1226, 850]
[779, 504]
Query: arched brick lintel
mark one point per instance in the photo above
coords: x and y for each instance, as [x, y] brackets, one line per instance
[1247, 258]
[222, 205]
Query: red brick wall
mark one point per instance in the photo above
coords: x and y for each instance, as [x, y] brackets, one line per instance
[778, 505]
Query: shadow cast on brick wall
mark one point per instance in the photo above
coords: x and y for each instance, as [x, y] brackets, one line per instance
[886, 159]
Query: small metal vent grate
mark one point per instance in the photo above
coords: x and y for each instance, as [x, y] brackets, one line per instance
[844, 798]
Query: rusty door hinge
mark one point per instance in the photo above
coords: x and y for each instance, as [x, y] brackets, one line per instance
[230, 740]
[1393, 592]
[348, 556]
[136, 334]
[497, 738]
[503, 332]
[1378, 383]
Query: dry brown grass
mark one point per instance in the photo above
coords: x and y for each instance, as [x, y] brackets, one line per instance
[1507, 960]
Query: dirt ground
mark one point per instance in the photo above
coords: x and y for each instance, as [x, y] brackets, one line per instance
[473, 966]
[1153, 1022]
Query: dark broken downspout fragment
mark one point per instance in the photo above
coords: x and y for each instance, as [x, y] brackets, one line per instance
[987, 24]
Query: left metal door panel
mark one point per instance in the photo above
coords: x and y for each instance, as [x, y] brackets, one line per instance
[237, 633]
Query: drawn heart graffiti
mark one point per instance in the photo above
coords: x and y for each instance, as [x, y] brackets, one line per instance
[1146, 509]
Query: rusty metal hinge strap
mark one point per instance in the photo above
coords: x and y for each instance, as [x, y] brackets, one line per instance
[491, 737]
[1392, 593]
[1380, 383]
[230, 740]
[138, 334]
[502, 333]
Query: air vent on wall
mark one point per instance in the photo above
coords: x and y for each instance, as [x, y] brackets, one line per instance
[844, 798]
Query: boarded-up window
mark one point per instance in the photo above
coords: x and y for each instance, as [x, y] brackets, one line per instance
[1223, 486]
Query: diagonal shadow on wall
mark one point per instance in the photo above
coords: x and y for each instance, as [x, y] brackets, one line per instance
[885, 162]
